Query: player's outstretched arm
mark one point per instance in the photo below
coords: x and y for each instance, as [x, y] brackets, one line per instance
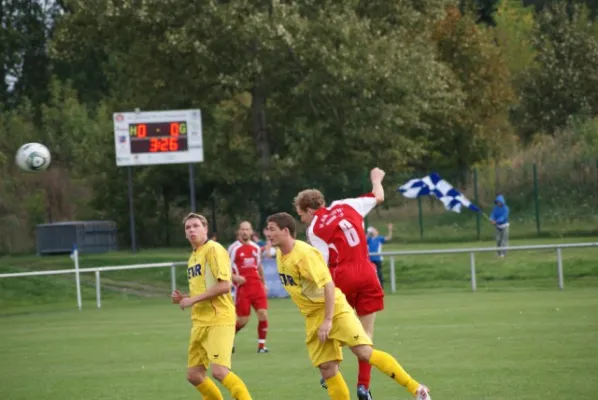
[376, 176]
[389, 236]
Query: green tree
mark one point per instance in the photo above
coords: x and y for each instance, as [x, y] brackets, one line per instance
[559, 85]
[372, 92]
[482, 127]
[514, 34]
[25, 68]
[292, 94]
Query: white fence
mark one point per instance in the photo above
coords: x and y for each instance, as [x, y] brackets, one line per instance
[472, 251]
[392, 256]
[77, 271]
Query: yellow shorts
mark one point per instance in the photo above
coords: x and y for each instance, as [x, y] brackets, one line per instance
[346, 330]
[211, 345]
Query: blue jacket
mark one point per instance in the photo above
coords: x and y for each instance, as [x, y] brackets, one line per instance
[500, 214]
[375, 246]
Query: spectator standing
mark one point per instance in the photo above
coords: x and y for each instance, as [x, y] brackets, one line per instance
[500, 219]
[375, 242]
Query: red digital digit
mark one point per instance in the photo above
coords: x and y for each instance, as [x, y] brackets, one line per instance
[153, 145]
[173, 144]
[164, 144]
[174, 129]
[141, 130]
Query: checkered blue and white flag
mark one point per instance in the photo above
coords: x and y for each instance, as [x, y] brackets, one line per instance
[433, 184]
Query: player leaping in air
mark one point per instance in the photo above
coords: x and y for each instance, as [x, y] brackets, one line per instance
[248, 276]
[212, 313]
[330, 320]
[337, 231]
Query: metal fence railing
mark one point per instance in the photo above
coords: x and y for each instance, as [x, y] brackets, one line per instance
[392, 256]
[472, 251]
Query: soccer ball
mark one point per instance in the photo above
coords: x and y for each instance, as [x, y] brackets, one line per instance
[33, 157]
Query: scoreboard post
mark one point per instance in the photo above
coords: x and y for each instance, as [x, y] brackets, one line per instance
[157, 138]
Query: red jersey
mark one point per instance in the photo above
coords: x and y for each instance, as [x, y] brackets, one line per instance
[245, 259]
[338, 231]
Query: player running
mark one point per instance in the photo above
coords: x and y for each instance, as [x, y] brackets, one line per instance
[212, 314]
[330, 320]
[337, 231]
[248, 276]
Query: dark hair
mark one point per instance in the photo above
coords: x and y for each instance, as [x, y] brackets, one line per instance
[284, 220]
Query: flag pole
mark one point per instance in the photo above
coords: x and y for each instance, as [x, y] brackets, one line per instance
[485, 216]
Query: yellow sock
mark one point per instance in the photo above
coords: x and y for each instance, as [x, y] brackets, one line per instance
[337, 388]
[391, 367]
[236, 387]
[209, 390]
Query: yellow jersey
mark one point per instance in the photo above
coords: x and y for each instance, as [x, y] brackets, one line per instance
[304, 273]
[208, 264]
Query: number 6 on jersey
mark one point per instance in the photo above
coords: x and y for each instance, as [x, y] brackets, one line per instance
[350, 232]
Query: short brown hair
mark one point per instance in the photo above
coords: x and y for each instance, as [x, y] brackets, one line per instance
[309, 198]
[284, 220]
[200, 217]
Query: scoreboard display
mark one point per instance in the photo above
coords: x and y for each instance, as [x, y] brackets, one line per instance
[158, 137]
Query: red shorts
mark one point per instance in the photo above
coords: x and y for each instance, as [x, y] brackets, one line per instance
[360, 284]
[251, 294]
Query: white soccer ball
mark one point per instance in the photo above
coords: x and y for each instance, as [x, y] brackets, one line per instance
[33, 157]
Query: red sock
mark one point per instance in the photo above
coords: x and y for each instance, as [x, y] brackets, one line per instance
[365, 374]
[262, 331]
[238, 327]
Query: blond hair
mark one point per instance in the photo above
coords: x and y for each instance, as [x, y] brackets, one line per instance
[309, 198]
[200, 217]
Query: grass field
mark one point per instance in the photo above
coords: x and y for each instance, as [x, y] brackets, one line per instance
[518, 337]
[466, 346]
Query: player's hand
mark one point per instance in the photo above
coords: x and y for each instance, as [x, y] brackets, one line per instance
[324, 330]
[376, 175]
[176, 297]
[241, 280]
[390, 227]
[265, 287]
[185, 303]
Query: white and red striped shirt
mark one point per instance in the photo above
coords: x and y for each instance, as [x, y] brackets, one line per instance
[245, 259]
[338, 232]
